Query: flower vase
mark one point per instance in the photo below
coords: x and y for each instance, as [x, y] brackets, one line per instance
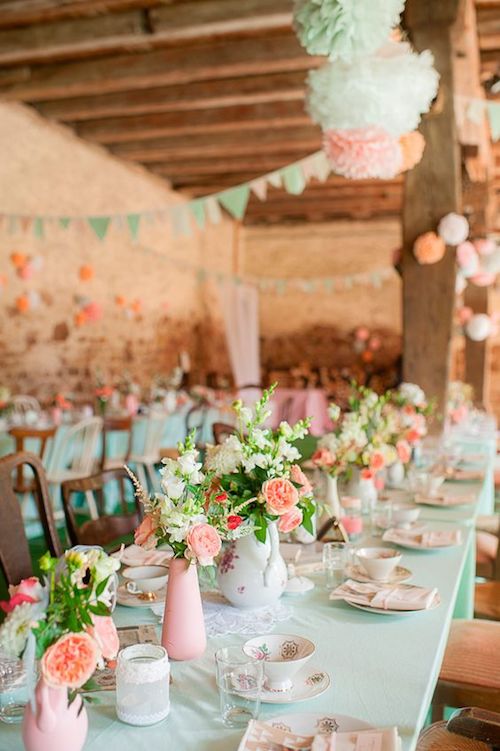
[252, 574]
[362, 486]
[395, 474]
[55, 725]
[183, 634]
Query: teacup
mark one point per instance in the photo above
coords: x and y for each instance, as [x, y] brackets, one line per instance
[143, 579]
[283, 656]
[379, 563]
[404, 514]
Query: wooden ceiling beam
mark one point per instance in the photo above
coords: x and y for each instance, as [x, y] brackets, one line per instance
[29, 12]
[179, 65]
[490, 42]
[219, 93]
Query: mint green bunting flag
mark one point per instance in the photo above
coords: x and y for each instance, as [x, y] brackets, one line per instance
[38, 228]
[133, 221]
[100, 225]
[281, 286]
[328, 285]
[64, 221]
[494, 118]
[198, 210]
[235, 200]
[201, 274]
[293, 179]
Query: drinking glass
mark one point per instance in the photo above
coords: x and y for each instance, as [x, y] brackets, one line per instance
[142, 684]
[381, 517]
[336, 556]
[239, 679]
[13, 689]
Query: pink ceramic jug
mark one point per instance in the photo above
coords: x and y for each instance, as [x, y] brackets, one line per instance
[183, 634]
[54, 726]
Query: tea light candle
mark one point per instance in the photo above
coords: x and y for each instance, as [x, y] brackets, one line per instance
[352, 520]
[142, 684]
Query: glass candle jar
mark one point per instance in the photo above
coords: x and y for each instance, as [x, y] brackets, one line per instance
[142, 684]
[351, 518]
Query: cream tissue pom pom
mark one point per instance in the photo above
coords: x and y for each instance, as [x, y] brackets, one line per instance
[343, 29]
[453, 229]
[391, 89]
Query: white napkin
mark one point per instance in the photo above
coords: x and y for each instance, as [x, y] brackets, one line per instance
[134, 555]
[385, 739]
[374, 595]
[427, 539]
[445, 500]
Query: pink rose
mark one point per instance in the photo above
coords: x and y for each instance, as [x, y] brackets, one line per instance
[377, 461]
[299, 477]
[280, 494]
[203, 543]
[70, 661]
[145, 534]
[103, 630]
[29, 590]
[404, 451]
[290, 520]
[412, 435]
[323, 458]
[367, 474]
[379, 482]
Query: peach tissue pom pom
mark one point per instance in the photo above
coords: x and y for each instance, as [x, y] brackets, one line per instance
[360, 153]
[429, 248]
[412, 148]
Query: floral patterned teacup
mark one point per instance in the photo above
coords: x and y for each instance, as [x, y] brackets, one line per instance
[283, 656]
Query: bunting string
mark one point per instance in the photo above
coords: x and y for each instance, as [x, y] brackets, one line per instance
[475, 109]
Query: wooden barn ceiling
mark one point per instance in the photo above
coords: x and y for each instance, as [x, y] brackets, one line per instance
[204, 93]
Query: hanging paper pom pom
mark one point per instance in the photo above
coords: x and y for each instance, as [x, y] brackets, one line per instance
[345, 28]
[375, 343]
[34, 298]
[391, 89]
[362, 333]
[479, 327]
[491, 263]
[86, 273]
[482, 279]
[465, 314]
[453, 228]
[23, 303]
[80, 319]
[26, 271]
[485, 246]
[37, 263]
[120, 301]
[361, 153]
[467, 258]
[92, 311]
[18, 259]
[429, 248]
[460, 284]
[412, 147]
[136, 307]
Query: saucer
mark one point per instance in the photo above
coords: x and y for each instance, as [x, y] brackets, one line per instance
[386, 611]
[399, 574]
[308, 683]
[126, 598]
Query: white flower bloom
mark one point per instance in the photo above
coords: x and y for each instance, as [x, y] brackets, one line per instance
[173, 486]
[260, 439]
[285, 430]
[246, 415]
[15, 628]
[412, 393]
[190, 467]
[334, 412]
[226, 458]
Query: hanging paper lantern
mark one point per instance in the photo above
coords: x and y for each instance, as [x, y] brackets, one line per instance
[460, 283]
[362, 153]
[92, 311]
[18, 259]
[120, 301]
[26, 271]
[80, 319]
[482, 279]
[453, 228]
[391, 89]
[86, 273]
[479, 327]
[343, 29]
[485, 246]
[429, 248]
[23, 303]
[412, 147]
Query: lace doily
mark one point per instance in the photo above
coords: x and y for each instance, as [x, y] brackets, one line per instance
[221, 618]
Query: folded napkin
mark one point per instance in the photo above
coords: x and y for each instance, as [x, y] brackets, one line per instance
[426, 539]
[374, 595]
[445, 500]
[465, 474]
[134, 555]
[262, 736]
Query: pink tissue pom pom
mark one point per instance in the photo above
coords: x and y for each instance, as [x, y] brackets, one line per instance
[26, 272]
[485, 246]
[467, 257]
[93, 311]
[483, 279]
[465, 314]
[360, 153]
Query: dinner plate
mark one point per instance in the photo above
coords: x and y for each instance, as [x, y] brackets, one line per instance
[399, 574]
[442, 501]
[126, 598]
[317, 723]
[308, 683]
[382, 611]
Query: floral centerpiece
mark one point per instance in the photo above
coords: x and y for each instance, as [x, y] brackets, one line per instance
[5, 402]
[103, 393]
[64, 622]
[460, 401]
[415, 410]
[130, 390]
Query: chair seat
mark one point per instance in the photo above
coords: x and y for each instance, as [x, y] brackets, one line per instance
[489, 523]
[472, 655]
[138, 459]
[487, 600]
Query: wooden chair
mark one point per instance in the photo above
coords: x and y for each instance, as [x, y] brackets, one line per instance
[195, 419]
[116, 424]
[222, 431]
[15, 559]
[20, 434]
[469, 729]
[487, 594]
[470, 672]
[106, 528]
[147, 455]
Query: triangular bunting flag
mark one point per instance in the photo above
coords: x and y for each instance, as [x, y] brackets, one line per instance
[180, 220]
[259, 188]
[274, 179]
[38, 227]
[133, 221]
[25, 222]
[64, 222]
[494, 118]
[100, 225]
[213, 210]
[293, 179]
[235, 200]
[201, 275]
[321, 166]
[12, 226]
[198, 210]
[307, 167]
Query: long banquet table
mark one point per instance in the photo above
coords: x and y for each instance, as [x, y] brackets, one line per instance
[383, 669]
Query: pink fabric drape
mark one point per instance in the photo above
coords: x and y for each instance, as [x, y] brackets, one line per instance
[295, 404]
[240, 310]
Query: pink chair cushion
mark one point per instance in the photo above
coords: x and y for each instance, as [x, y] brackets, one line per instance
[472, 654]
[486, 547]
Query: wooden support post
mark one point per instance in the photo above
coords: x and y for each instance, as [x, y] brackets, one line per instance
[477, 353]
[432, 190]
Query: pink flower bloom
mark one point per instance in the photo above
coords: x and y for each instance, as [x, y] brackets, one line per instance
[323, 458]
[28, 590]
[290, 520]
[203, 543]
[221, 498]
[145, 534]
[404, 451]
[485, 246]
[234, 521]
[103, 630]
[379, 482]
[367, 474]
[299, 477]
[412, 436]
[360, 153]
[280, 495]
[70, 661]
[377, 461]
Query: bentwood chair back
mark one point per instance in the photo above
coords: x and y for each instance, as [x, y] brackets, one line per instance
[75, 452]
[42, 436]
[105, 528]
[222, 431]
[116, 424]
[147, 454]
[15, 559]
[195, 419]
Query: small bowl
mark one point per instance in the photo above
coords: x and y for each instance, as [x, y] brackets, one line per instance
[379, 563]
[283, 656]
[404, 514]
[141, 579]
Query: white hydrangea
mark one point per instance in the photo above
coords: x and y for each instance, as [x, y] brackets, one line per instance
[15, 629]
[412, 393]
[226, 458]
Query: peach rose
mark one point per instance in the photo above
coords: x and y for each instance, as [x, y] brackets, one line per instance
[404, 451]
[323, 458]
[299, 477]
[145, 534]
[412, 435]
[290, 520]
[377, 461]
[103, 630]
[204, 543]
[70, 661]
[367, 474]
[280, 495]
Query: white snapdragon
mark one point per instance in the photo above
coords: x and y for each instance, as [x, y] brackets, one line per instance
[173, 486]
[287, 451]
[190, 468]
[260, 439]
[412, 393]
[334, 412]
[285, 430]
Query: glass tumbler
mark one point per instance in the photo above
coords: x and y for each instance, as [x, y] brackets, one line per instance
[381, 517]
[142, 684]
[239, 680]
[336, 556]
[13, 689]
